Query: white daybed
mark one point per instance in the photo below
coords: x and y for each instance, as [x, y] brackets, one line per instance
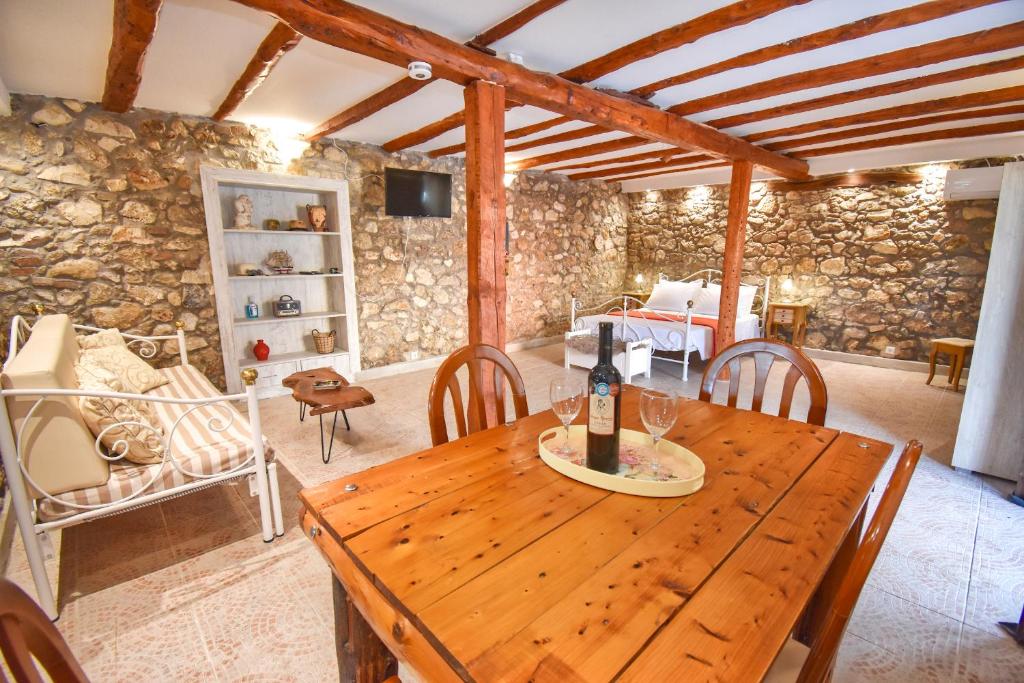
[60, 474]
[643, 331]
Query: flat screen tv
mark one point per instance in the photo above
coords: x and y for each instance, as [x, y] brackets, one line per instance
[417, 193]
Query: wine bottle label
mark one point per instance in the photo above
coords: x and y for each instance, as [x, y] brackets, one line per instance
[602, 411]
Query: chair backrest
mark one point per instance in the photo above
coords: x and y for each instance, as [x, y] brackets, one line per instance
[764, 353]
[818, 665]
[26, 632]
[479, 359]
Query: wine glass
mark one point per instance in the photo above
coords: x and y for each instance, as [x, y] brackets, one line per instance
[658, 411]
[566, 395]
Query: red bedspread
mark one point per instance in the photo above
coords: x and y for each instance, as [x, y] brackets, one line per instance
[678, 318]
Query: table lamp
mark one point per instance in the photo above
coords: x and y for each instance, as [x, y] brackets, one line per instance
[787, 290]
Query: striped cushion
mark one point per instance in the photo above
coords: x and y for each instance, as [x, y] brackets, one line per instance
[210, 439]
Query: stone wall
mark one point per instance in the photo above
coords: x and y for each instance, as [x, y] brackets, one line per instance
[101, 217]
[883, 266]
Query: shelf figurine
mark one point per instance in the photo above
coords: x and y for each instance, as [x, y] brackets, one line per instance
[243, 213]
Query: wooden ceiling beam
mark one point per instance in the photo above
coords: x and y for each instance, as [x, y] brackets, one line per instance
[905, 85]
[641, 156]
[846, 180]
[355, 28]
[736, 14]
[730, 16]
[911, 138]
[509, 26]
[890, 126]
[901, 18]
[134, 27]
[562, 155]
[667, 171]
[632, 168]
[401, 89]
[858, 29]
[281, 40]
[513, 134]
[567, 136]
[968, 45]
[978, 99]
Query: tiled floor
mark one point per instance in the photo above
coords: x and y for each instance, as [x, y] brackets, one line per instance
[186, 590]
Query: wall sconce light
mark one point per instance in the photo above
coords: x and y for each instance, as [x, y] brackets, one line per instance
[787, 290]
[639, 279]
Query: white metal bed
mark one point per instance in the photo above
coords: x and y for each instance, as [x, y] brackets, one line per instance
[672, 341]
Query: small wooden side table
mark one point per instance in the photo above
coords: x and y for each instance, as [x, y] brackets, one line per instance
[957, 350]
[321, 401]
[786, 313]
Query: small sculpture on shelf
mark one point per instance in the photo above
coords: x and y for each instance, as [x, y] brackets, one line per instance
[243, 213]
[280, 262]
[271, 224]
[317, 214]
[297, 225]
[260, 350]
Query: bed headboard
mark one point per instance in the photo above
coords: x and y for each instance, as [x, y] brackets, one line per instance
[712, 276]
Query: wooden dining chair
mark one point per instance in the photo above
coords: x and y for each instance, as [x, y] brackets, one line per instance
[480, 359]
[28, 638]
[765, 353]
[801, 664]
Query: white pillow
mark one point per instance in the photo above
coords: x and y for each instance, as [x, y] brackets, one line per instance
[747, 294]
[706, 302]
[672, 296]
[708, 299]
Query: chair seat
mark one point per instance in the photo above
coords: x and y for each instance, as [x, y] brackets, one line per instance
[788, 664]
[955, 341]
[198, 445]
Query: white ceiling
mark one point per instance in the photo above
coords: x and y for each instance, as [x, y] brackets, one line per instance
[59, 48]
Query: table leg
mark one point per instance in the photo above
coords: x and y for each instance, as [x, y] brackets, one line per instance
[348, 427]
[302, 411]
[959, 371]
[952, 367]
[818, 608]
[325, 452]
[931, 365]
[362, 657]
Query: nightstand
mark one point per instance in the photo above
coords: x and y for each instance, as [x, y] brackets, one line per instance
[787, 314]
[639, 296]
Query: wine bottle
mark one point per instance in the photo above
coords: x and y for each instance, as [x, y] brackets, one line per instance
[604, 407]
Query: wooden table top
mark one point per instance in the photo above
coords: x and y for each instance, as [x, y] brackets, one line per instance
[475, 561]
[321, 401]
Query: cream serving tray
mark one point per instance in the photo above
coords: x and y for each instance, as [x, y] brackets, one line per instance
[665, 472]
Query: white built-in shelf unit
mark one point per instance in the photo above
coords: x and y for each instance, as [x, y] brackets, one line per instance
[328, 299]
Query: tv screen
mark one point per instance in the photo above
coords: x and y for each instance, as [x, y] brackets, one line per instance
[417, 193]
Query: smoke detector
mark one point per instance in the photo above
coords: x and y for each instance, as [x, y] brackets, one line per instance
[419, 71]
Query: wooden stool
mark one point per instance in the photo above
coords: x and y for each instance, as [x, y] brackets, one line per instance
[957, 350]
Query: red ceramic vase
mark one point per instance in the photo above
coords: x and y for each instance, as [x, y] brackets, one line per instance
[261, 350]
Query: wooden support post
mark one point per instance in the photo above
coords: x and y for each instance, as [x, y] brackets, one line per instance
[732, 262]
[485, 223]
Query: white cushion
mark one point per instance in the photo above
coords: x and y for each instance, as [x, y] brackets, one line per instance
[672, 296]
[135, 374]
[746, 303]
[707, 300]
[786, 667]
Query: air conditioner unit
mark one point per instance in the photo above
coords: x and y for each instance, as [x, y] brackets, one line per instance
[973, 183]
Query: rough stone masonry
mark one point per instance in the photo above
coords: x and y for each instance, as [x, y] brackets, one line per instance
[883, 266]
[101, 217]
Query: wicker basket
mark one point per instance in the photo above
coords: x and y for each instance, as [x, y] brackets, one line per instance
[324, 341]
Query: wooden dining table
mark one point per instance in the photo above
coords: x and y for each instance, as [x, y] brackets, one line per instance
[475, 561]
